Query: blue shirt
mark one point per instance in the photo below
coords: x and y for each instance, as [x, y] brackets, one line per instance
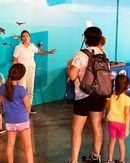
[16, 111]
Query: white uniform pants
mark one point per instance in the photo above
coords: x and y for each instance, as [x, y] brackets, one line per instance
[28, 81]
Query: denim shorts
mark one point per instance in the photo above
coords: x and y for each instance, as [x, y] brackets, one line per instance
[116, 130]
[12, 127]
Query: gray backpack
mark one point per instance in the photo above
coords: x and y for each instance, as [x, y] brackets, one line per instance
[96, 80]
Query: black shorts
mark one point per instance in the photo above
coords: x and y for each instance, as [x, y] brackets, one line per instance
[84, 106]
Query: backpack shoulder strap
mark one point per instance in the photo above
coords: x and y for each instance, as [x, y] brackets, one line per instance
[87, 52]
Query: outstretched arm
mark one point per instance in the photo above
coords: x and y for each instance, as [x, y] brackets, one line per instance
[47, 52]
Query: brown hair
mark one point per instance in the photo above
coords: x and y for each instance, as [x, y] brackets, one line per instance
[16, 72]
[121, 84]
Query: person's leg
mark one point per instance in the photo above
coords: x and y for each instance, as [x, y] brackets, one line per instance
[111, 146]
[121, 149]
[30, 82]
[96, 118]
[10, 146]
[22, 82]
[1, 112]
[0, 121]
[26, 139]
[77, 127]
[104, 115]
[30, 85]
[2, 130]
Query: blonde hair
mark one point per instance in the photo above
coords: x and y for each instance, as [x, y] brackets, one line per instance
[103, 41]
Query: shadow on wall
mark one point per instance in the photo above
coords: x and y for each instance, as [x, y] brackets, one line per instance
[54, 91]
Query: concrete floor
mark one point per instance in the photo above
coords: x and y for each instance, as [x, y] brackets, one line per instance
[51, 131]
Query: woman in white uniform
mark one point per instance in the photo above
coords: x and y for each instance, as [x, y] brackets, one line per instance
[24, 53]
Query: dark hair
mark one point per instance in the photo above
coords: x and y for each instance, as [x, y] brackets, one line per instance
[16, 72]
[121, 84]
[24, 31]
[93, 36]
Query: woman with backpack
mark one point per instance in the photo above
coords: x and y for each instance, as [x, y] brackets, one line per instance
[85, 104]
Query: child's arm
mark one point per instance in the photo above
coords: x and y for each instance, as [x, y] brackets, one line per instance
[2, 100]
[69, 63]
[127, 120]
[2, 79]
[27, 103]
[2, 82]
[107, 104]
[14, 60]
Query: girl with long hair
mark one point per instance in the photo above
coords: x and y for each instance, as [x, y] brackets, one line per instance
[17, 112]
[118, 118]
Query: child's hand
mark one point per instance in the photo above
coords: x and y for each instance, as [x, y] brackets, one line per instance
[69, 63]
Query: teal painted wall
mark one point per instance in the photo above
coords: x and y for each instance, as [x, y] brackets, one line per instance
[59, 24]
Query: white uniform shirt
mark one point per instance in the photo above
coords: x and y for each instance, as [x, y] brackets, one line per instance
[81, 61]
[25, 55]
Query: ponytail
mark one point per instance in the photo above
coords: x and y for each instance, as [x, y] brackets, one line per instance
[9, 88]
[16, 73]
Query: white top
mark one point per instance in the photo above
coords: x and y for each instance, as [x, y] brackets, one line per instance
[81, 61]
[25, 55]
